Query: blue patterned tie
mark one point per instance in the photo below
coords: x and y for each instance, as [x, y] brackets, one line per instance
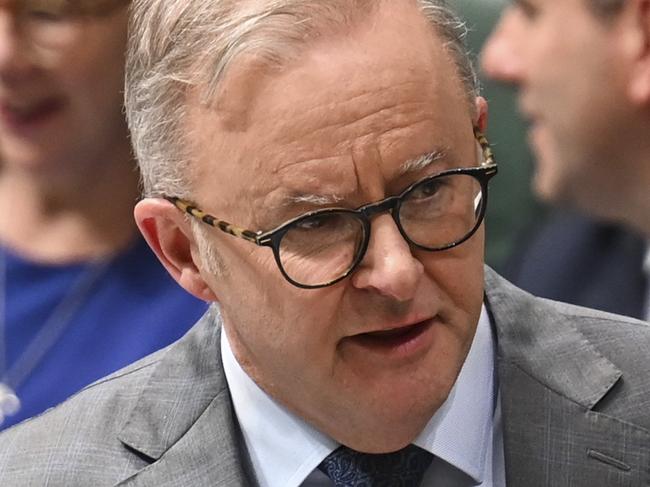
[403, 468]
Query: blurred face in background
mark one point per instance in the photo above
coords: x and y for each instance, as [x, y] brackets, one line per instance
[567, 64]
[61, 77]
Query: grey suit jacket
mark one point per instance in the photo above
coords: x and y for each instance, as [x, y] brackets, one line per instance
[575, 391]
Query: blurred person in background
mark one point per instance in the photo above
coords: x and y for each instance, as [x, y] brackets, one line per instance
[514, 210]
[582, 68]
[81, 294]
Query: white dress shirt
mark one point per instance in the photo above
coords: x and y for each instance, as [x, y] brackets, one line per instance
[464, 435]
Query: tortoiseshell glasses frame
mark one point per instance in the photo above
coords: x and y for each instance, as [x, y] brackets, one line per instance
[361, 217]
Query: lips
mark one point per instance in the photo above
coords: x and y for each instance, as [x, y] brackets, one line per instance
[18, 115]
[397, 341]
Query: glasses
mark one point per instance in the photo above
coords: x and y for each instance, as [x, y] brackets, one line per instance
[320, 248]
[47, 23]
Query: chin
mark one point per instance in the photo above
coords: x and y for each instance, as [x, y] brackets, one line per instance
[546, 189]
[395, 425]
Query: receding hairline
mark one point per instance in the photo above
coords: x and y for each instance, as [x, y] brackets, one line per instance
[325, 25]
[161, 76]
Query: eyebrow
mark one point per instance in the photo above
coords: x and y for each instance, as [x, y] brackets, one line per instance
[411, 166]
[314, 199]
[422, 162]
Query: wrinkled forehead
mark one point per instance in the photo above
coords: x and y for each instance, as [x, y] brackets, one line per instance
[352, 107]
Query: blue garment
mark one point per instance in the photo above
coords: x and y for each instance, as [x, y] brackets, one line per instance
[133, 309]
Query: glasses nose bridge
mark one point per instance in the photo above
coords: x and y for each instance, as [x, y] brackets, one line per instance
[386, 205]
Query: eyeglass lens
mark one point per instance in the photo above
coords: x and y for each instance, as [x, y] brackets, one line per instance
[321, 248]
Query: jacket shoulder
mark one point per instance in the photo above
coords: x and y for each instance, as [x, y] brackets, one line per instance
[80, 432]
[596, 359]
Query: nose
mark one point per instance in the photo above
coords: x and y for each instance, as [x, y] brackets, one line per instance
[15, 54]
[388, 268]
[500, 58]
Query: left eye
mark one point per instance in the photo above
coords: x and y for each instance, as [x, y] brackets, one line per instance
[427, 189]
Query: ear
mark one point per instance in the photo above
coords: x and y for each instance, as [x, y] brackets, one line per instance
[480, 114]
[169, 235]
[638, 14]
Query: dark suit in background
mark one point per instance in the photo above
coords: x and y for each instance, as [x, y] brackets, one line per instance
[583, 261]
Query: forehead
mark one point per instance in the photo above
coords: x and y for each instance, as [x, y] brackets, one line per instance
[351, 109]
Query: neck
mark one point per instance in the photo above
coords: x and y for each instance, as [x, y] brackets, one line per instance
[639, 217]
[70, 218]
[631, 206]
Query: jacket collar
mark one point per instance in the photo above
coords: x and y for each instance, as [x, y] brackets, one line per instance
[545, 344]
[183, 418]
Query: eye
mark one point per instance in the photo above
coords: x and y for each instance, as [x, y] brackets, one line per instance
[310, 223]
[41, 10]
[44, 15]
[316, 222]
[428, 189]
[527, 9]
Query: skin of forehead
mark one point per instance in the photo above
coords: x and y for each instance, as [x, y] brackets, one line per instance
[251, 89]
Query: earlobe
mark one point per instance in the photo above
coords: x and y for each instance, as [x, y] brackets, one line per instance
[169, 235]
[480, 114]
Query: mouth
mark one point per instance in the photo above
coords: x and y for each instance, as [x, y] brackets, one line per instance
[399, 341]
[19, 116]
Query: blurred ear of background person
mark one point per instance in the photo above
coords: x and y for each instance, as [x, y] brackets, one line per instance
[81, 294]
[581, 72]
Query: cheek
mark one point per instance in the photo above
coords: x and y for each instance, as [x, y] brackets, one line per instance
[253, 284]
[458, 273]
[280, 329]
[96, 88]
[92, 69]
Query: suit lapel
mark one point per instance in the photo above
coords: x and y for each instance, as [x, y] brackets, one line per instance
[551, 381]
[183, 422]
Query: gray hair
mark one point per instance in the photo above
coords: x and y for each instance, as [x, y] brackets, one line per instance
[176, 45]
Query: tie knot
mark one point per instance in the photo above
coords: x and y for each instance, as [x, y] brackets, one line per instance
[403, 468]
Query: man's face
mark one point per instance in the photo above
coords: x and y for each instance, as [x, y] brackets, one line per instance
[563, 59]
[61, 83]
[368, 360]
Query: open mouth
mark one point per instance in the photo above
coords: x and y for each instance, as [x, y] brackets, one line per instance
[393, 338]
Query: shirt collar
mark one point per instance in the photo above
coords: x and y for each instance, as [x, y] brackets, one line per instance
[460, 432]
[284, 449]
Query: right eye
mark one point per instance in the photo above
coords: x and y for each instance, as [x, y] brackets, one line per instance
[317, 222]
[49, 11]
